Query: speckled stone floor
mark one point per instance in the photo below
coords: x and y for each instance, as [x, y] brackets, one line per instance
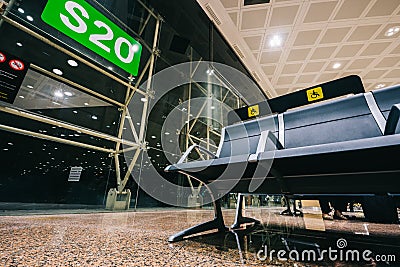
[122, 239]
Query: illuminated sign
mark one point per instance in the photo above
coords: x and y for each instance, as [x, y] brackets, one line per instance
[83, 23]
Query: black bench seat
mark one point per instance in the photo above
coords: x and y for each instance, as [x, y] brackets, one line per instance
[347, 146]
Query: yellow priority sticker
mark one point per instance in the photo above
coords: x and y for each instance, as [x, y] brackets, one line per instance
[253, 111]
[315, 94]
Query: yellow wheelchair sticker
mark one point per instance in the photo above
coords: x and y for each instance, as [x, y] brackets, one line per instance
[253, 111]
[315, 94]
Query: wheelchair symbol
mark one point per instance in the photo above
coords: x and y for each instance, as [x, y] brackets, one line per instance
[253, 111]
[314, 94]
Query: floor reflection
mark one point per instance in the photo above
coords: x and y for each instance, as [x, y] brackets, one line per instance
[140, 239]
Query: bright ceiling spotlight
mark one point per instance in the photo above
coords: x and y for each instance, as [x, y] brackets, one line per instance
[336, 65]
[392, 31]
[275, 41]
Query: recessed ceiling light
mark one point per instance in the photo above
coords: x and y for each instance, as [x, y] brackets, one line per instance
[55, 103]
[143, 99]
[381, 85]
[166, 133]
[86, 104]
[336, 65]
[68, 93]
[392, 31]
[94, 117]
[110, 68]
[153, 136]
[275, 41]
[29, 18]
[30, 86]
[212, 107]
[58, 94]
[58, 72]
[20, 10]
[75, 111]
[72, 63]
[19, 44]
[21, 96]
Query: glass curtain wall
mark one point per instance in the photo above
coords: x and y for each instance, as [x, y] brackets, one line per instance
[72, 107]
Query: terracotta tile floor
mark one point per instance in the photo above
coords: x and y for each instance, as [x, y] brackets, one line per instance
[121, 239]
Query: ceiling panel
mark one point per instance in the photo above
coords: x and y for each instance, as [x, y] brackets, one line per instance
[351, 9]
[234, 18]
[335, 35]
[349, 50]
[363, 33]
[306, 37]
[254, 18]
[298, 54]
[375, 49]
[320, 11]
[316, 34]
[388, 62]
[230, 3]
[313, 67]
[362, 63]
[291, 68]
[253, 42]
[383, 8]
[283, 15]
[270, 57]
[323, 52]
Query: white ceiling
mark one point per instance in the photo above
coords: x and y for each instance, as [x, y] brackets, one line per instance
[315, 35]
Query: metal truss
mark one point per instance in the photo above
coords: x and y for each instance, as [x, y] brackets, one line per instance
[138, 144]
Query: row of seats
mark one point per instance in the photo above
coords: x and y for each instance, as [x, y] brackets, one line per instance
[343, 146]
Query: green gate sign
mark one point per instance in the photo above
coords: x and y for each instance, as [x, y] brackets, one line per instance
[83, 23]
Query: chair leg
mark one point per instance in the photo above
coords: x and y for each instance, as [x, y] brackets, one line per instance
[296, 212]
[216, 224]
[287, 211]
[239, 218]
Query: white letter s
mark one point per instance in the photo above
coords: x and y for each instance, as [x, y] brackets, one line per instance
[70, 6]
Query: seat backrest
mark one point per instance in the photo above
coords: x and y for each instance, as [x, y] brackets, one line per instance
[242, 138]
[335, 121]
[338, 120]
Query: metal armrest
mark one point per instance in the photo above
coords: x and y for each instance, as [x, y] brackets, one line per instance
[195, 146]
[265, 135]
